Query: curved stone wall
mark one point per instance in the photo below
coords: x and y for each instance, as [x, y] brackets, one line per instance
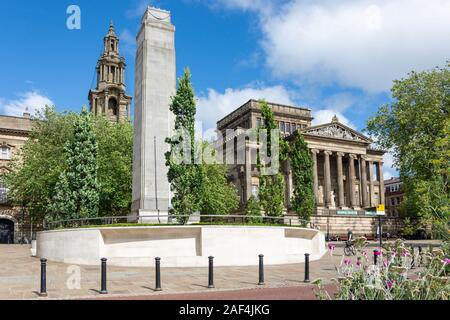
[181, 246]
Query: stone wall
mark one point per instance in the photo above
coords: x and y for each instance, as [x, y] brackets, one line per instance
[360, 225]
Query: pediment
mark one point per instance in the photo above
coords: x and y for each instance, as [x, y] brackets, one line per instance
[336, 130]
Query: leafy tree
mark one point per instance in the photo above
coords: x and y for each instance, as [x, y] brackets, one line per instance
[271, 193]
[185, 178]
[218, 196]
[303, 200]
[36, 168]
[115, 166]
[415, 128]
[253, 209]
[77, 191]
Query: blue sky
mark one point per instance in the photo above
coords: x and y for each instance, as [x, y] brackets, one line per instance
[335, 57]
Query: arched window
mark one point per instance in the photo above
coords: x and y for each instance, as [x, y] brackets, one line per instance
[112, 106]
[5, 153]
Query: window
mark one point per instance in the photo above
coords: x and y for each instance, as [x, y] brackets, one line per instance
[112, 106]
[282, 126]
[255, 190]
[3, 192]
[393, 201]
[293, 128]
[258, 122]
[288, 127]
[5, 153]
[112, 45]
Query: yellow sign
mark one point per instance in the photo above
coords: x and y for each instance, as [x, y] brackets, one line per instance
[380, 208]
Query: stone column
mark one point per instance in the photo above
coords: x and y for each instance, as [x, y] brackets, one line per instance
[327, 176]
[248, 171]
[371, 188]
[364, 183]
[340, 180]
[288, 183]
[351, 159]
[155, 84]
[381, 177]
[314, 153]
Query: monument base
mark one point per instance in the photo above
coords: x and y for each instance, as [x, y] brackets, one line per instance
[151, 216]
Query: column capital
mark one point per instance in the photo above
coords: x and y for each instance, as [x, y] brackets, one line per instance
[315, 151]
[364, 157]
[328, 153]
[340, 154]
[352, 156]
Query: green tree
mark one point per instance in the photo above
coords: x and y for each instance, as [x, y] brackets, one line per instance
[303, 200]
[185, 176]
[36, 168]
[115, 166]
[218, 196]
[271, 192]
[77, 191]
[253, 209]
[415, 128]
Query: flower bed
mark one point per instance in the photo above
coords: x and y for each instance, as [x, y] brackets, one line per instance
[392, 278]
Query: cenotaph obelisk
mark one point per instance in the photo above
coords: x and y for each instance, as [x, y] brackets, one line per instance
[155, 84]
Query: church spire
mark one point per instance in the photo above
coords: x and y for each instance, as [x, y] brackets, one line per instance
[109, 97]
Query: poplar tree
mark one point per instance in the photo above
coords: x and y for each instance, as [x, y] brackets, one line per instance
[303, 200]
[185, 178]
[77, 191]
[271, 192]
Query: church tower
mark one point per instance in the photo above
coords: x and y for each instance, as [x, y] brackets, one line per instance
[109, 97]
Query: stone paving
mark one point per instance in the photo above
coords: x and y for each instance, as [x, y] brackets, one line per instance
[20, 277]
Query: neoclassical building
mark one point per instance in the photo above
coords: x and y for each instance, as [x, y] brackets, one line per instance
[109, 98]
[14, 132]
[348, 171]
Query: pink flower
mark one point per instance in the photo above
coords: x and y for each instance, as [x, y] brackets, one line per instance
[347, 262]
[394, 254]
[446, 261]
[406, 254]
[331, 247]
[390, 284]
[377, 253]
[386, 263]
[364, 254]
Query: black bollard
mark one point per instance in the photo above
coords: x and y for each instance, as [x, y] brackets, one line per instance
[375, 257]
[43, 291]
[412, 258]
[261, 270]
[103, 280]
[211, 273]
[306, 267]
[158, 274]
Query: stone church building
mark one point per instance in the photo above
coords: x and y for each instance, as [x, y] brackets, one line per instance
[347, 170]
[109, 98]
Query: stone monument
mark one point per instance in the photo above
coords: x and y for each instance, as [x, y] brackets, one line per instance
[155, 84]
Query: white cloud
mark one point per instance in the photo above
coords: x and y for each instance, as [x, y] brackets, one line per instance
[356, 43]
[326, 115]
[30, 101]
[388, 170]
[215, 105]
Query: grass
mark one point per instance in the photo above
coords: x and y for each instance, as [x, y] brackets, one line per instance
[135, 225]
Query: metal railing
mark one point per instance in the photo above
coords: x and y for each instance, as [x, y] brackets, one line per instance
[177, 220]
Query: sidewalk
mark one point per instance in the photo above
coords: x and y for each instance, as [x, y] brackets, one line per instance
[20, 278]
